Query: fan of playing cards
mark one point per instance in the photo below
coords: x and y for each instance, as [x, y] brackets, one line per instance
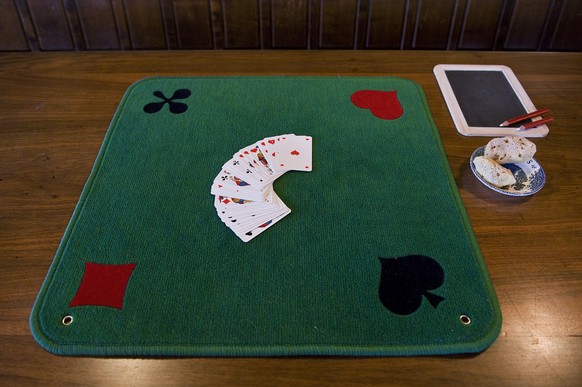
[244, 196]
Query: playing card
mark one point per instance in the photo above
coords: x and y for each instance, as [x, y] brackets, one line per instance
[245, 170]
[247, 236]
[294, 153]
[248, 221]
[252, 216]
[234, 205]
[254, 155]
[233, 208]
[269, 147]
[227, 184]
[247, 154]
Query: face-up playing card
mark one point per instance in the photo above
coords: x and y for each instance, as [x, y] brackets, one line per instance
[233, 208]
[244, 196]
[227, 184]
[254, 155]
[294, 154]
[269, 147]
[248, 154]
[261, 228]
[255, 221]
[224, 203]
[288, 152]
[255, 214]
[245, 170]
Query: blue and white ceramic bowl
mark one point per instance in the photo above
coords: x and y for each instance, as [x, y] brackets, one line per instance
[530, 177]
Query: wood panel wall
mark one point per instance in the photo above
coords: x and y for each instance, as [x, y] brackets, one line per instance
[533, 25]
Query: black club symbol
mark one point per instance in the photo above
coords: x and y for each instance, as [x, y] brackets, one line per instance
[175, 107]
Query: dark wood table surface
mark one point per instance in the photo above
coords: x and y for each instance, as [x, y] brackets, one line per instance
[56, 107]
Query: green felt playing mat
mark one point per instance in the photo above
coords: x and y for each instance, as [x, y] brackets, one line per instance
[377, 256]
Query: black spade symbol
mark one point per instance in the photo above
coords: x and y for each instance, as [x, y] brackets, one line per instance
[405, 280]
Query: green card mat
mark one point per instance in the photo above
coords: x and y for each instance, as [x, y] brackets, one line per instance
[377, 256]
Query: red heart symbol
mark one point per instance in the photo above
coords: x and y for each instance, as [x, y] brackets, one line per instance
[383, 104]
[294, 152]
[271, 142]
[254, 150]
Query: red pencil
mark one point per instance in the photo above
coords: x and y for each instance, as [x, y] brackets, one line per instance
[512, 121]
[534, 124]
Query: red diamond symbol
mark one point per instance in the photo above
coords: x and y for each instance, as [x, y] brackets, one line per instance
[103, 285]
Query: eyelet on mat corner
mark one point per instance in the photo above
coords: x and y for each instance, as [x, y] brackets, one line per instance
[465, 320]
[67, 320]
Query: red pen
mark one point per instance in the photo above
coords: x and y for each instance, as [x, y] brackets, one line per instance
[514, 120]
[533, 124]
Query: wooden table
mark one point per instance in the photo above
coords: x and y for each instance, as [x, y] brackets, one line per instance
[55, 109]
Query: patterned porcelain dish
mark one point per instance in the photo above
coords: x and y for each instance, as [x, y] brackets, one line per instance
[530, 177]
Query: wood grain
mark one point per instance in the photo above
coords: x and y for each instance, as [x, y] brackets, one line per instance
[97, 22]
[50, 25]
[565, 21]
[194, 27]
[145, 20]
[290, 22]
[433, 25]
[56, 108]
[544, 25]
[338, 26]
[13, 38]
[242, 23]
[480, 24]
[527, 25]
[385, 24]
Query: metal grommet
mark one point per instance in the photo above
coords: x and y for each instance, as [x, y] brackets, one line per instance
[67, 320]
[465, 320]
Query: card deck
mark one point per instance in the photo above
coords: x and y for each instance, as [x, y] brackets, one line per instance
[244, 196]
